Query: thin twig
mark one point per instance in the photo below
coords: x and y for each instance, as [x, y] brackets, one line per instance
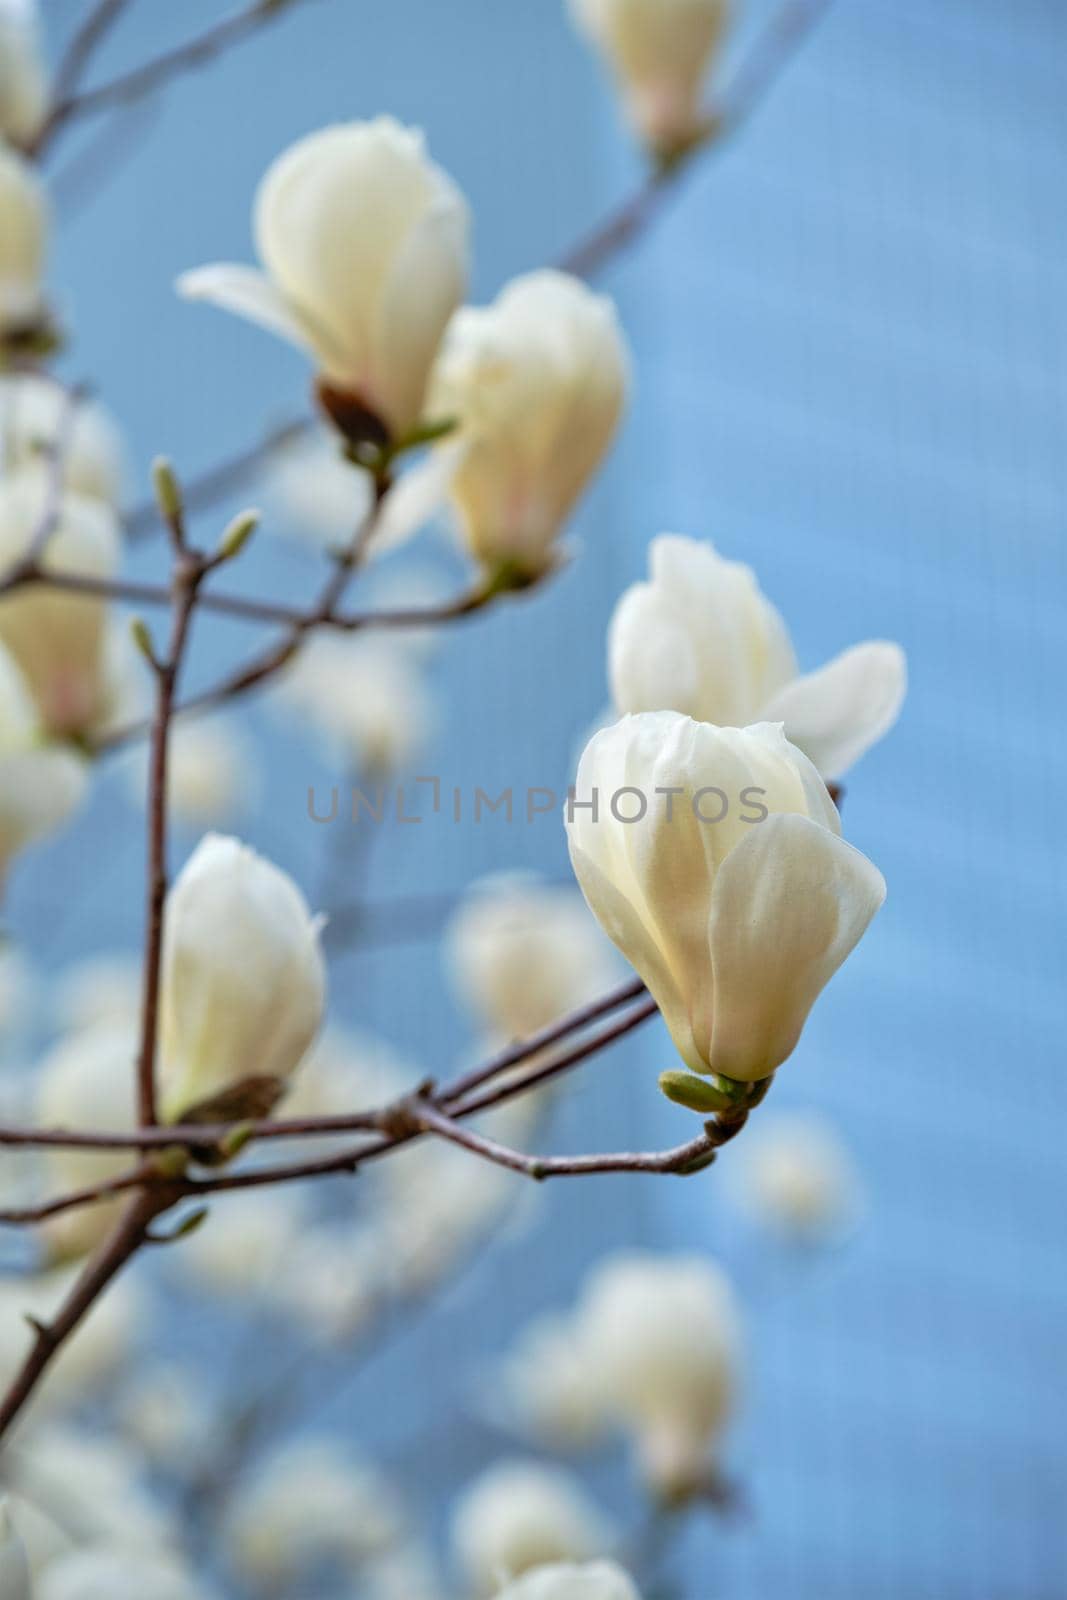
[84, 44]
[201, 493]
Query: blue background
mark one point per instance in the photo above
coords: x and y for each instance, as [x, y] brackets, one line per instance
[849, 342]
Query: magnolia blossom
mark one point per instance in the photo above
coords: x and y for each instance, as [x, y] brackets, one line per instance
[547, 1386]
[661, 1340]
[118, 1574]
[243, 980]
[660, 52]
[23, 79]
[537, 382]
[40, 785]
[242, 1248]
[520, 1515]
[23, 244]
[36, 412]
[14, 1568]
[523, 953]
[165, 1412]
[714, 860]
[211, 773]
[364, 245]
[92, 1493]
[700, 637]
[795, 1175]
[59, 639]
[596, 1580]
[369, 700]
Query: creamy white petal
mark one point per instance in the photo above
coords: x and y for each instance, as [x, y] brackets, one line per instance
[250, 294]
[838, 712]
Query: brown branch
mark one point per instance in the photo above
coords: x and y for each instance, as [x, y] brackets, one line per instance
[84, 44]
[75, 1200]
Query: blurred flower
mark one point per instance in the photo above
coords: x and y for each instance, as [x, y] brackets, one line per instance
[91, 1493]
[164, 1411]
[40, 785]
[335, 1278]
[537, 381]
[14, 1568]
[58, 639]
[734, 919]
[660, 52]
[795, 1175]
[366, 696]
[544, 1385]
[23, 77]
[320, 494]
[23, 244]
[520, 1514]
[597, 1580]
[701, 638]
[364, 242]
[103, 989]
[524, 953]
[118, 1574]
[36, 414]
[243, 983]
[242, 1246]
[406, 1573]
[311, 1502]
[96, 1353]
[211, 773]
[661, 1339]
[438, 1202]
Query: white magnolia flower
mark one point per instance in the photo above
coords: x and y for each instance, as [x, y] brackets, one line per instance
[244, 980]
[520, 1514]
[91, 1489]
[537, 382]
[58, 639]
[364, 245]
[35, 413]
[23, 78]
[119, 1574]
[23, 245]
[795, 1175]
[700, 637]
[40, 785]
[661, 1340]
[165, 1412]
[596, 1580]
[312, 1501]
[546, 1385]
[733, 894]
[660, 52]
[523, 953]
[369, 700]
[14, 1568]
[212, 773]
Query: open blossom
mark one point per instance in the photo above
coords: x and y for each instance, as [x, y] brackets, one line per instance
[715, 862]
[520, 1515]
[23, 79]
[14, 1568]
[537, 383]
[364, 247]
[243, 983]
[35, 413]
[595, 1580]
[40, 785]
[23, 245]
[660, 52]
[700, 637]
[523, 953]
[59, 639]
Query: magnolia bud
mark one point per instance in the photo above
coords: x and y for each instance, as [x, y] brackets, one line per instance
[714, 861]
[58, 639]
[36, 417]
[23, 79]
[519, 1515]
[40, 786]
[364, 245]
[243, 981]
[660, 52]
[23, 241]
[14, 1568]
[700, 637]
[597, 1580]
[537, 382]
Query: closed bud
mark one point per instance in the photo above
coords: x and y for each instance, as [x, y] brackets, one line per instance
[697, 1094]
[238, 534]
[715, 862]
[364, 247]
[243, 978]
[23, 79]
[537, 382]
[167, 489]
[40, 785]
[23, 244]
[660, 52]
[700, 637]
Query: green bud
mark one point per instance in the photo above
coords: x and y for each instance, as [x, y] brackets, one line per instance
[143, 639]
[168, 492]
[238, 534]
[697, 1094]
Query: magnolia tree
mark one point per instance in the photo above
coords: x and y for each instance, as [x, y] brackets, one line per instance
[703, 826]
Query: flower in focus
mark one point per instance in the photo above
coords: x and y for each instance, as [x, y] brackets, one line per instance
[596, 1580]
[537, 383]
[59, 639]
[715, 862]
[700, 637]
[369, 700]
[795, 1175]
[23, 245]
[36, 413]
[23, 79]
[40, 784]
[364, 245]
[520, 1515]
[243, 983]
[524, 953]
[14, 1568]
[660, 52]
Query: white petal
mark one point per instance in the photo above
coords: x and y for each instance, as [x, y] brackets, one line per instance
[789, 904]
[838, 712]
[417, 497]
[249, 294]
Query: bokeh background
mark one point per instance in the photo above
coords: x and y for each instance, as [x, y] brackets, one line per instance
[849, 336]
